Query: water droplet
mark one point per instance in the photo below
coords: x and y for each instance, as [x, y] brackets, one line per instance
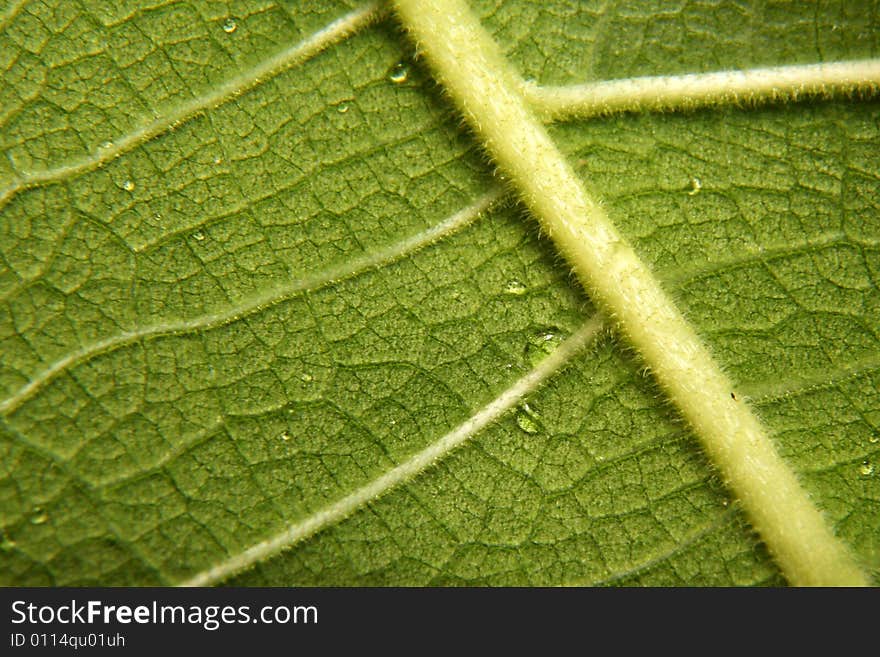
[725, 502]
[39, 517]
[542, 343]
[866, 468]
[218, 160]
[106, 144]
[285, 436]
[307, 377]
[128, 185]
[696, 186]
[515, 287]
[527, 419]
[198, 236]
[399, 73]
[230, 25]
[875, 438]
[157, 218]
[342, 108]
[526, 423]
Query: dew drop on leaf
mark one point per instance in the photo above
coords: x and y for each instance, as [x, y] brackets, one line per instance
[342, 108]
[128, 185]
[39, 517]
[695, 187]
[527, 419]
[866, 468]
[526, 423]
[230, 25]
[399, 73]
[285, 436]
[515, 287]
[541, 344]
[307, 377]
[198, 236]
[874, 439]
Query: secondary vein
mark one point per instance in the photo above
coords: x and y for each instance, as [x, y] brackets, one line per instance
[334, 274]
[698, 90]
[287, 58]
[471, 67]
[405, 471]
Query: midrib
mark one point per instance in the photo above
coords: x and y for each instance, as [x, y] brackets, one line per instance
[471, 68]
[331, 34]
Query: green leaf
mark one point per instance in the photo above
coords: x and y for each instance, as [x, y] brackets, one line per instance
[246, 318]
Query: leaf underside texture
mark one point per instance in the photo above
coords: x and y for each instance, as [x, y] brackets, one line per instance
[241, 320]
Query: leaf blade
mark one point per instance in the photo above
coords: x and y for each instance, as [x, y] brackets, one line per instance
[412, 167]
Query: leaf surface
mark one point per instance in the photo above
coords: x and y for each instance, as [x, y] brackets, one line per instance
[231, 327]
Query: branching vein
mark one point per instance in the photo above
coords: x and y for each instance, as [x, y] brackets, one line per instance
[695, 91]
[409, 468]
[472, 69]
[297, 54]
[265, 299]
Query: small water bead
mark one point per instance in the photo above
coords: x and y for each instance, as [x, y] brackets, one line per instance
[307, 378]
[399, 73]
[527, 419]
[866, 468]
[39, 517]
[542, 343]
[342, 108]
[696, 186]
[874, 439]
[515, 287]
[230, 25]
[128, 185]
[198, 236]
[526, 423]
[544, 337]
[285, 436]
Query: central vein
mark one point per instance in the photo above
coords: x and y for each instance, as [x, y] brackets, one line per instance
[470, 65]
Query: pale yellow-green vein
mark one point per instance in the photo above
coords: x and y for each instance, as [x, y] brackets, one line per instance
[472, 69]
[288, 289]
[234, 86]
[699, 90]
[398, 475]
